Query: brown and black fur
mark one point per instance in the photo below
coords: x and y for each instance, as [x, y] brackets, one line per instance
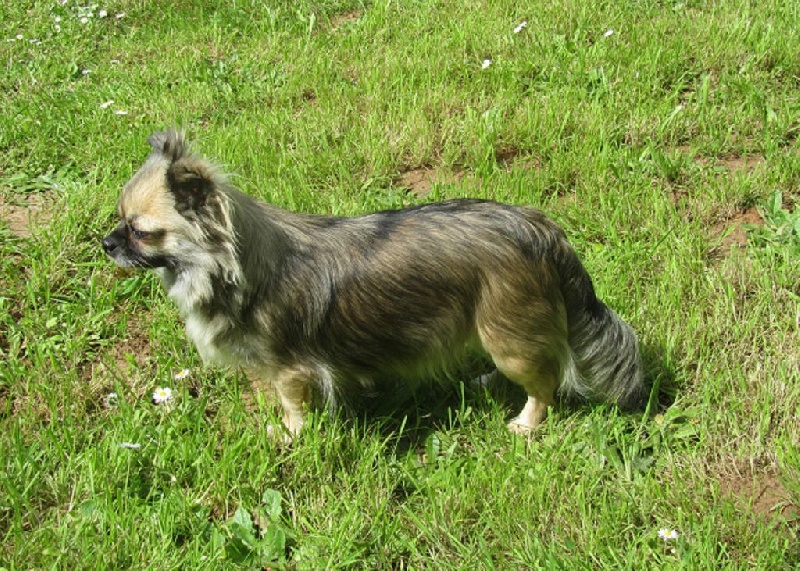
[320, 305]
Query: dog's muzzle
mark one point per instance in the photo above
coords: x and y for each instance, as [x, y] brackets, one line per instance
[112, 242]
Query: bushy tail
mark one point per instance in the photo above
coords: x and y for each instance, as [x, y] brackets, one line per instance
[605, 365]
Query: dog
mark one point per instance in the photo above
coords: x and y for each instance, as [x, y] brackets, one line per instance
[321, 306]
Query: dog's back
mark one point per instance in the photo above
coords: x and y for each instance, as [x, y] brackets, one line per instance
[403, 293]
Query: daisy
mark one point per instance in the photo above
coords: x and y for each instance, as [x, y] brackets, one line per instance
[668, 534]
[520, 27]
[111, 400]
[162, 395]
[182, 374]
[486, 63]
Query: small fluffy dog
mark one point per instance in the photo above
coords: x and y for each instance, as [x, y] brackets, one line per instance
[321, 306]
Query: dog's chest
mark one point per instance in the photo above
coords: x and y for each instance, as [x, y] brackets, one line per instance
[206, 335]
[221, 342]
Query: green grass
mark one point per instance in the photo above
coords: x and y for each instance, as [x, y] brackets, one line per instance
[647, 144]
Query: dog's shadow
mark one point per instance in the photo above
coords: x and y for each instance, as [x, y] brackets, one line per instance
[407, 417]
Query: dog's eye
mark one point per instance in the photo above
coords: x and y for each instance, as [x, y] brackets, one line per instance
[139, 234]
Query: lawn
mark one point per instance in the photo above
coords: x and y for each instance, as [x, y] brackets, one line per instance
[662, 135]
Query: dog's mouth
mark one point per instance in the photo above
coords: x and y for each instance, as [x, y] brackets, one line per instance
[120, 251]
[142, 262]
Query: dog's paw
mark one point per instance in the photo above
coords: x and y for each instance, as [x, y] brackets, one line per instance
[279, 434]
[520, 427]
[484, 381]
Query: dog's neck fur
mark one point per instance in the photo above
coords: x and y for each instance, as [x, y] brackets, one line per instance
[218, 286]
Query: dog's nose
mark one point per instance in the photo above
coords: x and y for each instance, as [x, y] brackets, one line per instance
[109, 245]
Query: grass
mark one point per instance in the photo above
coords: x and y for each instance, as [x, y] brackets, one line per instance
[661, 135]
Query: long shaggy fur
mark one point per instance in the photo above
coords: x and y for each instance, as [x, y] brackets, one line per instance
[326, 305]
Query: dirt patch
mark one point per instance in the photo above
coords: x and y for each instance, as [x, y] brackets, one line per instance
[758, 485]
[678, 195]
[420, 181]
[512, 157]
[21, 215]
[739, 163]
[344, 18]
[730, 162]
[733, 230]
[131, 353]
[135, 349]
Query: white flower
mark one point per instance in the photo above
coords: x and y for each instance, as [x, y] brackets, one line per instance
[120, 112]
[608, 33]
[102, 14]
[113, 61]
[182, 374]
[130, 445]
[111, 400]
[57, 19]
[58, 27]
[162, 395]
[20, 36]
[520, 27]
[86, 71]
[120, 15]
[84, 20]
[486, 63]
[107, 104]
[668, 534]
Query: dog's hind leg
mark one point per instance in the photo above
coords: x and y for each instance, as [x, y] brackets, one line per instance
[539, 379]
[529, 347]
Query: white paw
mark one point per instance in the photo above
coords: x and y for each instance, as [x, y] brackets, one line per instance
[484, 381]
[279, 433]
[518, 427]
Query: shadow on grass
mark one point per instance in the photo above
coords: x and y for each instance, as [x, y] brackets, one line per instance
[660, 375]
[412, 414]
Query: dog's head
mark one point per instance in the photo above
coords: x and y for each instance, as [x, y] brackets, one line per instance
[172, 211]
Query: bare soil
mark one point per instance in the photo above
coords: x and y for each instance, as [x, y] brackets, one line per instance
[420, 181]
[22, 215]
[733, 230]
[758, 485]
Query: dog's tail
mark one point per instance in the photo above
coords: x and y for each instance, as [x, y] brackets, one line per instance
[605, 364]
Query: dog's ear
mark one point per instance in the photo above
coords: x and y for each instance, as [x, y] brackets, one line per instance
[192, 181]
[190, 178]
[171, 144]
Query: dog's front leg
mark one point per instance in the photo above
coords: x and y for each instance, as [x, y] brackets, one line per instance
[293, 387]
[294, 390]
